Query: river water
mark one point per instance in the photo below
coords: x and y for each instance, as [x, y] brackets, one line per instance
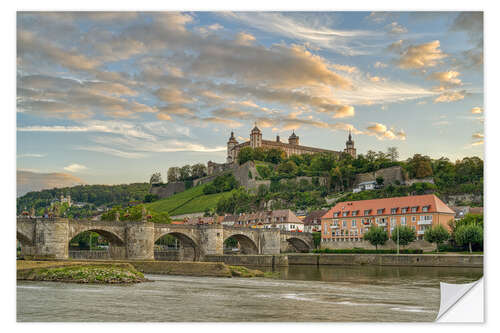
[301, 294]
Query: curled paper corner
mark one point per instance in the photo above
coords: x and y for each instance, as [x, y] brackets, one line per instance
[461, 302]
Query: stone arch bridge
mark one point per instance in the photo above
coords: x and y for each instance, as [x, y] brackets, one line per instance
[50, 237]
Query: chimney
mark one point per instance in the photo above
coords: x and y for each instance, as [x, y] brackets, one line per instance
[278, 138]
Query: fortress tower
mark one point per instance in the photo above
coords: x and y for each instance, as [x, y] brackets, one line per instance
[293, 139]
[349, 146]
[230, 145]
[255, 137]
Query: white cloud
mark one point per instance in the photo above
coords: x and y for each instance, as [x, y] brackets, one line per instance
[75, 167]
[304, 29]
[31, 155]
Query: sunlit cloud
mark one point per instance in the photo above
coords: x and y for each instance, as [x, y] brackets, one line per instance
[75, 167]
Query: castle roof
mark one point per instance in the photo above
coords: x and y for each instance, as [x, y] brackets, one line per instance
[293, 136]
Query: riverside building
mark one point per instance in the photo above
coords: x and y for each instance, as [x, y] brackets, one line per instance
[349, 221]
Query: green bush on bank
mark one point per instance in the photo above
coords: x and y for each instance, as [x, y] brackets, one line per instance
[366, 251]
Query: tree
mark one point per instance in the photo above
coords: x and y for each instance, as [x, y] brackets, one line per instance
[246, 154]
[173, 174]
[380, 180]
[376, 236]
[151, 197]
[469, 234]
[393, 153]
[155, 178]
[185, 172]
[198, 170]
[419, 166]
[406, 235]
[437, 234]
[288, 168]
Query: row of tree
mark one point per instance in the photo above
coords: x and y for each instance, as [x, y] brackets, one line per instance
[466, 233]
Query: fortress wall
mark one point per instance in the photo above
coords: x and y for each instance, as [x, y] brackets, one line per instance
[390, 175]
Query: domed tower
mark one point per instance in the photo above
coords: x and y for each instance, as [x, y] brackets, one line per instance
[230, 145]
[255, 137]
[349, 146]
[293, 139]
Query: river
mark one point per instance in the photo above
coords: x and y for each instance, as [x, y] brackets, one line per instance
[301, 294]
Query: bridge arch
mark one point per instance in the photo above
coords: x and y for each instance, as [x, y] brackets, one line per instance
[23, 239]
[116, 244]
[189, 248]
[299, 244]
[247, 245]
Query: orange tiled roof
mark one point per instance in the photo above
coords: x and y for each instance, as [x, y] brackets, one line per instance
[434, 204]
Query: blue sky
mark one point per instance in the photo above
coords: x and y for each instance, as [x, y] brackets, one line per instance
[112, 97]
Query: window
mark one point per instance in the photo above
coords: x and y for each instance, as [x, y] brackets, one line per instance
[344, 224]
[354, 213]
[367, 211]
[380, 211]
[414, 209]
[394, 210]
[353, 223]
[403, 220]
[393, 220]
[425, 208]
[404, 210]
[335, 214]
[345, 213]
[336, 223]
[413, 218]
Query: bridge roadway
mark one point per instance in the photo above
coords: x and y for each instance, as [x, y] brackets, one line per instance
[50, 237]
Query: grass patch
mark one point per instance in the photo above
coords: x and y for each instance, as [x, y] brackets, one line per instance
[201, 203]
[241, 271]
[81, 273]
[170, 204]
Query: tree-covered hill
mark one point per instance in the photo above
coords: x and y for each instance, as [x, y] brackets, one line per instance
[97, 195]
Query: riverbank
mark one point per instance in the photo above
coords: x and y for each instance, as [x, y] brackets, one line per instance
[348, 259]
[78, 272]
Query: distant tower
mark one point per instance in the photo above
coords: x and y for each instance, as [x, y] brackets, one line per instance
[293, 139]
[255, 137]
[230, 145]
[278, 138]
[349, 146]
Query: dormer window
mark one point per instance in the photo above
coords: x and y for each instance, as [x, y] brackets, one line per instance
[345, 213]
[404, 210]
[394, 210]
[380, 211]
[354, 213]
[367, 211]
[414, 209]
[425, 208]
[336, 214]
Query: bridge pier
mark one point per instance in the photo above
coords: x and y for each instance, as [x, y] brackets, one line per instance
[269, 241]
[212, 240]
[140, 240]
[51, 238]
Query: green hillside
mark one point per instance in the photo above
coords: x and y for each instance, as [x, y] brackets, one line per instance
[189, 201]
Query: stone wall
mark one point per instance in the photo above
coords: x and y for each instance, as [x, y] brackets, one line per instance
[250, 260]
[167, 190]
[418, 244]
[390, 175]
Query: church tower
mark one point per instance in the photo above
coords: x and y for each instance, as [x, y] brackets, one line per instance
[230, 145]
[349, 146]
[255, 137]
[293, 139]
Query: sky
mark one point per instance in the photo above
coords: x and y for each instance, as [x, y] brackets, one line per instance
[111, 97]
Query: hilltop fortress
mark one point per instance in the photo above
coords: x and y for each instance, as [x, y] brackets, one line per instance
[291, 148]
